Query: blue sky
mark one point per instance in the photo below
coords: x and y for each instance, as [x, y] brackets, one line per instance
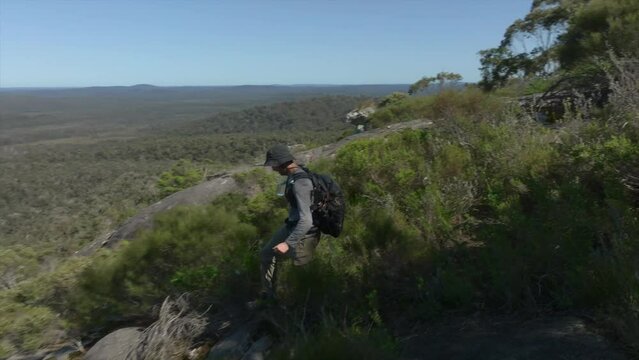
[235, 42]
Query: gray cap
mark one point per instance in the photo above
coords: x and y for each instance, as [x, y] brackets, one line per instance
[278, 155]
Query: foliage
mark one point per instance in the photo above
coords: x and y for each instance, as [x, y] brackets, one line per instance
[485, 211]
[498, 65]
[596, 28]
[34, 312]
[570, 36]
[181, 176]
[16, 264]
[325, 113]
[208, 244]
[442, 78]
[93, 115]
[25, 327]
[393, 98]
[60, 196]
[419, 85]
[446, 104]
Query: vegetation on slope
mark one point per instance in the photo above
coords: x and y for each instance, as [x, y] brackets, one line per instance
[58, 197]
[477, 214]
[487, 212]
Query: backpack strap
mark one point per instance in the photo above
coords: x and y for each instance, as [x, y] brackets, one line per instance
[302, 175]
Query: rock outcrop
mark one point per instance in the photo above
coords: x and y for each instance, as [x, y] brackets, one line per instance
[200, 194]
[118, 345]
[360, 117]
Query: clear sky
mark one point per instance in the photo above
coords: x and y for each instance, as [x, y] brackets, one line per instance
[235, 42]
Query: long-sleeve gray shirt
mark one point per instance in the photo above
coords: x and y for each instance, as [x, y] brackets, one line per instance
[300, 201]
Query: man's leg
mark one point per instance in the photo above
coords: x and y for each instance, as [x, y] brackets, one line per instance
[305, 249]
[269, 261]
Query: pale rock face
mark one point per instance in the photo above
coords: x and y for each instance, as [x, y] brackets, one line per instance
[115, 346]
[360, 116]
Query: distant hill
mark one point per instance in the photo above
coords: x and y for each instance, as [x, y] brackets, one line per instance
[28, 115]
[316, 114]
[164, 93]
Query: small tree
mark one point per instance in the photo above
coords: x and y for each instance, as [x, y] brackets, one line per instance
[420, 85]
[442, 78]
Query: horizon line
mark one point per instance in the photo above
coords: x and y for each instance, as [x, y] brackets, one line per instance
[174, 86]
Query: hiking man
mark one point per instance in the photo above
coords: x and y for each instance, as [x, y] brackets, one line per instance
[298, 237]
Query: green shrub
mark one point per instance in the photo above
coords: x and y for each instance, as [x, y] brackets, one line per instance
[207, 250]
[34, 313]
[446, 104]
[394, 98]
[27, 328]
[547, 217]
[182, 175]
[6, 349]
[17, 263]
[264, 210]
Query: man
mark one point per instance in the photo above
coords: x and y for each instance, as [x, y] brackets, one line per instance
[298, 237]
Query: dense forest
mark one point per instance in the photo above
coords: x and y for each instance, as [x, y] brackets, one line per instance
[99, 113]
[494, 210]
[58, 196]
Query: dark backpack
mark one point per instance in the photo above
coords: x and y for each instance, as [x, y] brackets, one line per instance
[328, 203]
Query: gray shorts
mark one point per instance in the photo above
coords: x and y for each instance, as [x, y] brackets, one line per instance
[301, 254]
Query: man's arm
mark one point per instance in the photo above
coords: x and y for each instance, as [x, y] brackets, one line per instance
[302, 190]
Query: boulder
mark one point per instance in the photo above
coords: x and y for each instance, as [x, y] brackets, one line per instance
[200, 194]
[258, 349]
[115, 346]
[235, 345]
[360, 116]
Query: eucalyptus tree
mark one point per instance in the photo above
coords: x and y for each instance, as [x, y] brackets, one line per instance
[442, 79]
[566, 37]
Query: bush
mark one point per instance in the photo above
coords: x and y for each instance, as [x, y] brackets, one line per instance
[546, 214]
[182, 175]
[470, 103]
[207, 250]
[17, 263]
[264, 209]
[394, 98]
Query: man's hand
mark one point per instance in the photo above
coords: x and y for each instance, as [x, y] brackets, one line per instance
[281, 248]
